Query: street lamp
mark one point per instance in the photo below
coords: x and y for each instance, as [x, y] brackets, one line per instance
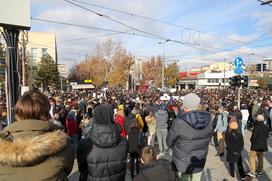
[163, 62]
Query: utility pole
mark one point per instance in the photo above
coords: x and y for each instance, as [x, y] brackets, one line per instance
[163, 63]
[11, 36]
[224, 73]
[61, 84]
[239, 97]
[24, 43]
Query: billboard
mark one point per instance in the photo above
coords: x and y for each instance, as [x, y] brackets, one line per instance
[15, 13]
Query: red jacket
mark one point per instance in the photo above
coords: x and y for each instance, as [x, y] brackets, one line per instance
[72, 128]
[120, 120]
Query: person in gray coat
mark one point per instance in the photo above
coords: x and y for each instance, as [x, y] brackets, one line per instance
[161, 117]
[189, 138]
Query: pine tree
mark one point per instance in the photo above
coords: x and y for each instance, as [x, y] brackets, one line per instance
[47, 72]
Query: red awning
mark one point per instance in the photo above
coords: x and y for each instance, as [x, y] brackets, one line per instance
[183, 74]
[193, 74]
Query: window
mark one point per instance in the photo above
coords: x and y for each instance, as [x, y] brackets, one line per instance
[44, 51]
[34, 53]
[213, 80]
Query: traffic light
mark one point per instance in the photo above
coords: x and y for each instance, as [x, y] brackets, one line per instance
[264, 67]
[238, 80]
[232, 82]
[259, 67]
[245, 81]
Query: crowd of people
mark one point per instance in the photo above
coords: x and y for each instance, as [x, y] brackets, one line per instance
[108, 132]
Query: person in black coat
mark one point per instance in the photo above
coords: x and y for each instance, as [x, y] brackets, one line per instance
[102, 155]
[134, 146]
[235, 112]
[258, 141]
[154, 170]
[235, 144]
[171, 115]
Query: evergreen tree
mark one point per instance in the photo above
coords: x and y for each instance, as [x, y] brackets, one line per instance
[47, 72]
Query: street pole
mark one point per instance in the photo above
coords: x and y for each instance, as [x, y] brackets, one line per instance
[224, 73]
[11, 36]
[163, 63]
[23, 43]
[61, 83]
[239, 97]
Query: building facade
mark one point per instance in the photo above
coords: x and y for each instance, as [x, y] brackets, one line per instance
[40, 44]
[268, 62]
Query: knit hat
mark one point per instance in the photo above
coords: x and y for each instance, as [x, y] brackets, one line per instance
[120, 107]
[191, 101]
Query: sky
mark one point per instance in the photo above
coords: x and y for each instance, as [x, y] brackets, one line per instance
[200, 32]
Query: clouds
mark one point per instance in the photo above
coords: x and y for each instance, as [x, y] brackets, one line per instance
[231, 19]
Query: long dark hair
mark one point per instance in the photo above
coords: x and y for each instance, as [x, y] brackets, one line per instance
[135, 124]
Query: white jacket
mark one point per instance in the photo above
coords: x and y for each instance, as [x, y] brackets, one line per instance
[245, 114]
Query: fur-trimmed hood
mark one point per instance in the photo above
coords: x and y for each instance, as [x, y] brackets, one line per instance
[31, 150]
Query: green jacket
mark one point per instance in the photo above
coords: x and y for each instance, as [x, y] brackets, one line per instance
[34, 150]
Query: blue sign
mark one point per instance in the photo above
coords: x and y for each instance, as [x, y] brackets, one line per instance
[238, 62]
[238, 71]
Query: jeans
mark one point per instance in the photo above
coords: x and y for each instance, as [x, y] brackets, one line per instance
[252, 160]
[240, 168]
[244, 123]
[161, 135]
[74, 142]
[189, 177]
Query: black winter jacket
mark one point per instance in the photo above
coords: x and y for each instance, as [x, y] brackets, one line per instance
[133, 140]
[189, 138]
[102, 156]
[235, 144]
[259, 137]
[157, 170]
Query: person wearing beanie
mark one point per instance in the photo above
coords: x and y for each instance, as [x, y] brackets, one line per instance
[103, 154]
[235, 144]
[258, 141]
[72, 129]
[189, 138]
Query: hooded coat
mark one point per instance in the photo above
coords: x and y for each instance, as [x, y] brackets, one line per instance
[34, 150]
[102, 155]
[259, 137]
[189, 138]
[235, 144]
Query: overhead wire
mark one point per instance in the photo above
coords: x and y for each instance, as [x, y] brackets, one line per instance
[136, 29]
[157, 20]
[91, 37]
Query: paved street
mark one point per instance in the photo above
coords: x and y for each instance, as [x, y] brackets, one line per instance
[216, 168]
